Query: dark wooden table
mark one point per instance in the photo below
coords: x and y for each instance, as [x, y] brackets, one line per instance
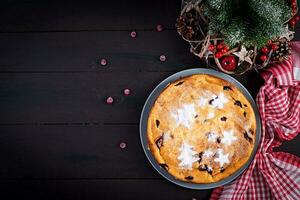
[58, 137]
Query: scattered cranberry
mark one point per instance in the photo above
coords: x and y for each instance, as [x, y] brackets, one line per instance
[265, 50]
[218, 54]
[122, 145]
[127, 91]
[133, 34]
[109, 100]
[103, 62]
[162, 58]
[159, 28]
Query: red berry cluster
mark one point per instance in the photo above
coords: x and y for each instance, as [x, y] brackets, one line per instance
[295, 19]
[266, 49]
[219, 50]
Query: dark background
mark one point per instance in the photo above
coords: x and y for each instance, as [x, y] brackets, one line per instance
[58, 137]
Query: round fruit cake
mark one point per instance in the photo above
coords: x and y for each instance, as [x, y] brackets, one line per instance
[201, 129]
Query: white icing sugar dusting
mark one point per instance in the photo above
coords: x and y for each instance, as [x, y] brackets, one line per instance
[210, 115]
[166, 136]
[222, 158]
[228, 137]
[208, 153]
[219, 101]
[211, 137]
[185, 115]
[209, 168]
[202, 101]
[187, 156]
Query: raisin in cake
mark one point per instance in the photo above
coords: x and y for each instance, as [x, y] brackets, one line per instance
[201, 129]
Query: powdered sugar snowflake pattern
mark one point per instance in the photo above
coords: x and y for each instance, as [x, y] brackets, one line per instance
[219, 101]
[228, 137]
[166, 136]
[185, 116]
[208, 153]
[210, 115]
[221, 157]
[202, 101]
[211, 137]
[187, 156]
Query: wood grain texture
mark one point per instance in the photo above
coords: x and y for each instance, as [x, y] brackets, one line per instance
[78, 151]
[80, 97]
[34, 15]
[98, 189]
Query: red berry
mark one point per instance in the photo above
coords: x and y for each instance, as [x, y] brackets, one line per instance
[224, 50]
[263, 57]
[103, 62]
[265, 50]
[293, 22]
[294, 4]
[109, 100]
[297, 18]
[159, 28]
[211, 47]
[229, 63]
[220, 46]
[218, 54]
[270, 42]
[274, 47]
[133, 34]
[127, 91]
[122, 145]
[162, 58]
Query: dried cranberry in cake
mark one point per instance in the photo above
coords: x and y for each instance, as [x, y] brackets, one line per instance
[251, 131]
[209, 170]
[202, 167]
[189, 178]
[159, 142]
[222, 169]
[227, 88]
[177, 84]
[200, 156]
[238, 103]
[164, 166]
[218, 140]
[223, 118]
[246, 136]
[157, 122]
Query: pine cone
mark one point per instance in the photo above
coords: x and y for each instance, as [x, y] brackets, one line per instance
[282, 53]
[189, 24]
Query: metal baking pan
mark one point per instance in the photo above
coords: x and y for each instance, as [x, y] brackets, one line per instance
[145, 114]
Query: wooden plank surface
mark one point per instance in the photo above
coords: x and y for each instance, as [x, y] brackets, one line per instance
[80, 97]
[99, 189]
[77, 151]
[58, 138]
[55, 15]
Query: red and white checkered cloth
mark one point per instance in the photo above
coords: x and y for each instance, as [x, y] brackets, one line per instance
[273, 175]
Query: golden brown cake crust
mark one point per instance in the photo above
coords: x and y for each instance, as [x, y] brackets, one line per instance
[201, 129]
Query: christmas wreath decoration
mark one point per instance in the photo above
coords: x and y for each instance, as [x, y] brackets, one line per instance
[238, 35]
